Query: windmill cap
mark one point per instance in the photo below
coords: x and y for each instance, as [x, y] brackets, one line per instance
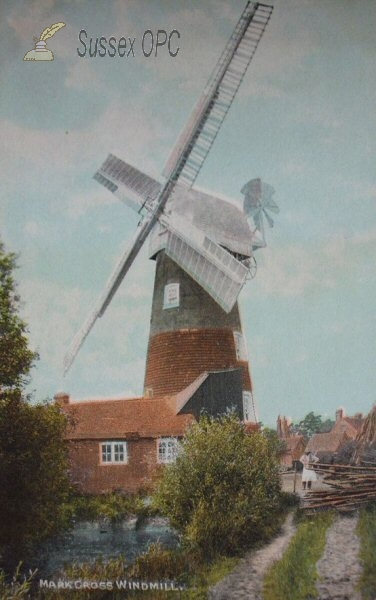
[220, 220]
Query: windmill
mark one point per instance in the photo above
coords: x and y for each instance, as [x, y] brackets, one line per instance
[203, 246]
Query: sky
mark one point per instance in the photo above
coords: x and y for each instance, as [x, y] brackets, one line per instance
[304, 121]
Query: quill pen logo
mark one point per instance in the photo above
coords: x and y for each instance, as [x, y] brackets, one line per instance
[41, 52]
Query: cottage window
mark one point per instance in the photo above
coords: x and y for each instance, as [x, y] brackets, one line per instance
[168, 448]
[114, 452]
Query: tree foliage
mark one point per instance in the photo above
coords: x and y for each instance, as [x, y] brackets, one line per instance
[33, 460]
[223, 491]
[16, 359]
[33, 474]
[312, 424]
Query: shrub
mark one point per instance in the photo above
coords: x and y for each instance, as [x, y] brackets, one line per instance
[33, 457]
[33, 475]
[113, 506]
[160, 563]
[223, 492]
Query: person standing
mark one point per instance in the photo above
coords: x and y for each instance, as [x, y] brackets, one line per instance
[308, 474]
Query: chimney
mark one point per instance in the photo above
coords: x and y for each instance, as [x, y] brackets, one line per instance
[279, 426]
[340, 414]
[61, 398]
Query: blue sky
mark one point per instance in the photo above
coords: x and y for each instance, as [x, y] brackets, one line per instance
[304, 120]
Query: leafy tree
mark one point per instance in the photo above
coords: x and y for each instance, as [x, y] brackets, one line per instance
[326, 425]
[223, 491]
[309, 425]
[16, 359]
[312, 424]
[277, 443]
[33, 463]
[33, 475]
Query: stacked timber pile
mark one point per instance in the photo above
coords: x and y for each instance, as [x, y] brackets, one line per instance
[351, 486]
[365, 443]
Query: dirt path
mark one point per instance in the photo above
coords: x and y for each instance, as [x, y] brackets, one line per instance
[339, 568]
[245, 582]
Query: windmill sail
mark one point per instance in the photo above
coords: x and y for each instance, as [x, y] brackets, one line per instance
[113, 283]
[129, 184]
[201, 130]
[210, 265]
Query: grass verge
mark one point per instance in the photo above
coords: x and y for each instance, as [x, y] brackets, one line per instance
[367, 534]
[295, 575]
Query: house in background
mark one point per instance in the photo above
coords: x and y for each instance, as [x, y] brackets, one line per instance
[119, 445]
[345, 429]
[294, 443]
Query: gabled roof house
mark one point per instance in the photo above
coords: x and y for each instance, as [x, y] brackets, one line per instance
[119, 444]
[345, 429]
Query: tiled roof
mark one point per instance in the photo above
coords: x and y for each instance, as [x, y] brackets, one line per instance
[326, 442]
[135, 417]
[293, 442]
[350, 425]
[356, 422]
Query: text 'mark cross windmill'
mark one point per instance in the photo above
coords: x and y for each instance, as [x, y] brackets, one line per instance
[197, 239]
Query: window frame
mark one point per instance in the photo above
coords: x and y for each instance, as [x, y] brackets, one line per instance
[170, 456]
[112, 452]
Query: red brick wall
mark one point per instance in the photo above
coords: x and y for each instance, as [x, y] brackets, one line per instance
[95, 478]
[176, 358]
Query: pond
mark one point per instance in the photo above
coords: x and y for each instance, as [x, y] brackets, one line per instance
[88, 541]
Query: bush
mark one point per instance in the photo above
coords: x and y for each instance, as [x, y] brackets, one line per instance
[161, 563]
[33, 475]
[223, 492]
[33, 457]
[113, 506]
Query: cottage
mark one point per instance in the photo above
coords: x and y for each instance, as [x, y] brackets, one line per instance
[119, 445]
[345, 429]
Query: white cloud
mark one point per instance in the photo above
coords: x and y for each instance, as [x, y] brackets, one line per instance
[295, 269]
[82, 75]
[79, 205]
[55, 155]
[28, 20]
[364, 237]
[296, 168]
[34, 228]
[115, 350]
